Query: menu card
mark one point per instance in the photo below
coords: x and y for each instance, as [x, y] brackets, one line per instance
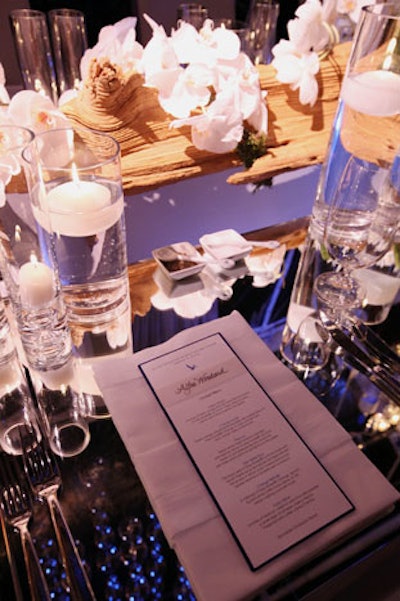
[270, 488]
[169, 450]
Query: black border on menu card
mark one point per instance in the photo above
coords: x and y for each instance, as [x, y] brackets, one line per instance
[202, 476]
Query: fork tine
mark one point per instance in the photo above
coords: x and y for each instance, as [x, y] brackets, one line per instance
[4, 519]
[15, 494]
[40, 464]
[42, 469]
[15, 500]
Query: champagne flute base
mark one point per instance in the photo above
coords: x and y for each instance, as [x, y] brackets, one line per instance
[338, 293]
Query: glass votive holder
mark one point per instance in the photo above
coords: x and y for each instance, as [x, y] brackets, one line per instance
[38, 311]
[69, 42]
[32, 43]
[74, 180]
[306, 346]
[30, 276]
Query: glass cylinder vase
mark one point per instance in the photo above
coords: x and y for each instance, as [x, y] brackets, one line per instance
[38, 313]
[32, 44]
[69, 42]
[30, 274]
[74, 179]
[367, 122]
[367, 126]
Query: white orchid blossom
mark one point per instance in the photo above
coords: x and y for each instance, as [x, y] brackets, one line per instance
[4, 96]
[220, 128]
[190, 91]
[67, 96]
[225, 43]
[297, 69]
[192, 46]
[251, 100]
[307, 32]
[34, 111]
[26, 109]
[118, 44]
[194, 72]
[238, 98]
[205, 71]
[9, 166]
[208, 45]
[311, 32]
[296, 60]
[330, 11]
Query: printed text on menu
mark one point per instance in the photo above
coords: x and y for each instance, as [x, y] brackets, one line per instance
[270, 488]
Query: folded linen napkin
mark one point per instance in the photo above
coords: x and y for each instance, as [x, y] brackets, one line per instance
[190, 519]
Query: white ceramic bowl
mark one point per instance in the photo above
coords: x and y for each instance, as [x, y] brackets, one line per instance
[176, 267]
[226, 244]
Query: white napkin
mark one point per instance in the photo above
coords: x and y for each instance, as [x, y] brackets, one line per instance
[191, 521]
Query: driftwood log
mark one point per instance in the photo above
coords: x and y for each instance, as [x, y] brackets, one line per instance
[153, 154]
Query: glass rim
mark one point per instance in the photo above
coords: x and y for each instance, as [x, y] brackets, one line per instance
[230, 24]
[19, 128]
[29, 13]
[378, 9]
[55, 441]
[68, 12]
[191, 5]
[111, 157]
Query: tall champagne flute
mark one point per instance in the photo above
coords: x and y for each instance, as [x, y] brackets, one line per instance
[193, 13]
[360, 226]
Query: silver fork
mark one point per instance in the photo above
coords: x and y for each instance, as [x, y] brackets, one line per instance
[16, 505]
[44, 475]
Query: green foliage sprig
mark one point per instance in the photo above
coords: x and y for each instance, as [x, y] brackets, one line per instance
[251, 147]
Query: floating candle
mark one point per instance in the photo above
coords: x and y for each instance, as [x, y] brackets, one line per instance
[36, 284]
[373, 92]
[82, 208]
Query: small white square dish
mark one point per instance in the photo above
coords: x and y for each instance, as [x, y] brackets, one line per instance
[226, 244]
[178, 260]
[176, 288]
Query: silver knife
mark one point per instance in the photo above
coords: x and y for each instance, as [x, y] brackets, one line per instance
[359, 359]
[374, 343]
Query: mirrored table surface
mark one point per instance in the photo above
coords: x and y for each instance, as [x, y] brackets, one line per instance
[118, 535]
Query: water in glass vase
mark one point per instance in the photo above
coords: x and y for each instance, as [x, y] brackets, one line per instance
[366, 126]
[87, 232]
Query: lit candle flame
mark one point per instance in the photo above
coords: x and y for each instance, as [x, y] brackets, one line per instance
[17, 233]
[75, 176]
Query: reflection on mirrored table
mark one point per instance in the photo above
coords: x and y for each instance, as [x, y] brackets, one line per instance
[115, 528]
